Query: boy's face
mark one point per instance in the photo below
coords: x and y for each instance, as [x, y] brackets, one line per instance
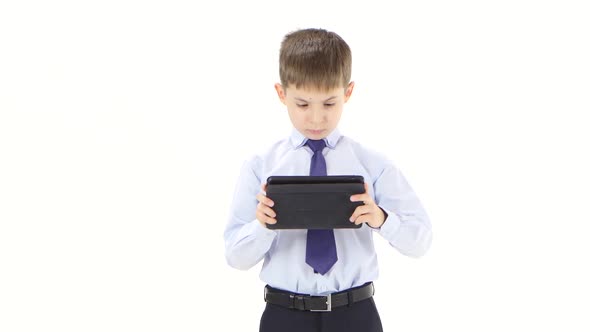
[314, 113]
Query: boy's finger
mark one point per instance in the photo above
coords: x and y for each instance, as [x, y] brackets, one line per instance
[362, 219]
[260, 215]
[355, 198]
[268, 211]
[265, 210]
[264, 200]
[260, 198]
[360, 198]
[359, 211]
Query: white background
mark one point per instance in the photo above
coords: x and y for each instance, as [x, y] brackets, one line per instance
[123, 125]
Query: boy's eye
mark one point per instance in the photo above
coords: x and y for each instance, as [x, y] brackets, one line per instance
[301, 105]
[329, 105]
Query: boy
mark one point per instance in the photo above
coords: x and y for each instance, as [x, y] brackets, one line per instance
[321, 279]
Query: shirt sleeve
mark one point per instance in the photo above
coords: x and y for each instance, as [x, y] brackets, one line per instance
[407, 227]
[246, 240]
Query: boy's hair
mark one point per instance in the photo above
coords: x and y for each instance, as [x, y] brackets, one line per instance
[314, 58]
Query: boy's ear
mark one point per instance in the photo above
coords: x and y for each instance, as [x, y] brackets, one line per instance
[280, 92]
[348, 91]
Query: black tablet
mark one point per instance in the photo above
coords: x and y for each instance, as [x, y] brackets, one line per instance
[314, 202]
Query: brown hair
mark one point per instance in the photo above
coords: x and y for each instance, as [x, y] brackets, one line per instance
[314, 58]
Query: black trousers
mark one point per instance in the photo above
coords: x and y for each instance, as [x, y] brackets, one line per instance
[360, 317]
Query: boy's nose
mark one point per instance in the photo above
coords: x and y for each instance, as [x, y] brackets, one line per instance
[316, 116]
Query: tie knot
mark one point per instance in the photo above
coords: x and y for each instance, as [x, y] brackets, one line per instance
[316, 145]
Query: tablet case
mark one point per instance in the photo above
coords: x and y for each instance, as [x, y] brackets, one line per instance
[314, 202]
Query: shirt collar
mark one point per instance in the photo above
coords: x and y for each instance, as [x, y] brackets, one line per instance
[298, 139]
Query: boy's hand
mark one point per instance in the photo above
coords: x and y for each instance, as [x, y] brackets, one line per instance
[264, 213]
[369, 213]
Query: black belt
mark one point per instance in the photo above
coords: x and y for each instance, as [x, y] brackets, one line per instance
[318, 303]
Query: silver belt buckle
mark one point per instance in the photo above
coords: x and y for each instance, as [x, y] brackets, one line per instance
[328, 304]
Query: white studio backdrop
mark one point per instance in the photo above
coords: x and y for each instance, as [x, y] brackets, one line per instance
[123, 125]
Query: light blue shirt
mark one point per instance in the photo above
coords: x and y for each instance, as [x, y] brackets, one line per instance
[407, 227]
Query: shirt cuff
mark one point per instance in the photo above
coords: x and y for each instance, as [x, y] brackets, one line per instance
[255, 232]
[260, 231]
[390, 225]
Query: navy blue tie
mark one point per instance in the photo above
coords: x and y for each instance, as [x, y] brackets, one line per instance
[321, 245]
